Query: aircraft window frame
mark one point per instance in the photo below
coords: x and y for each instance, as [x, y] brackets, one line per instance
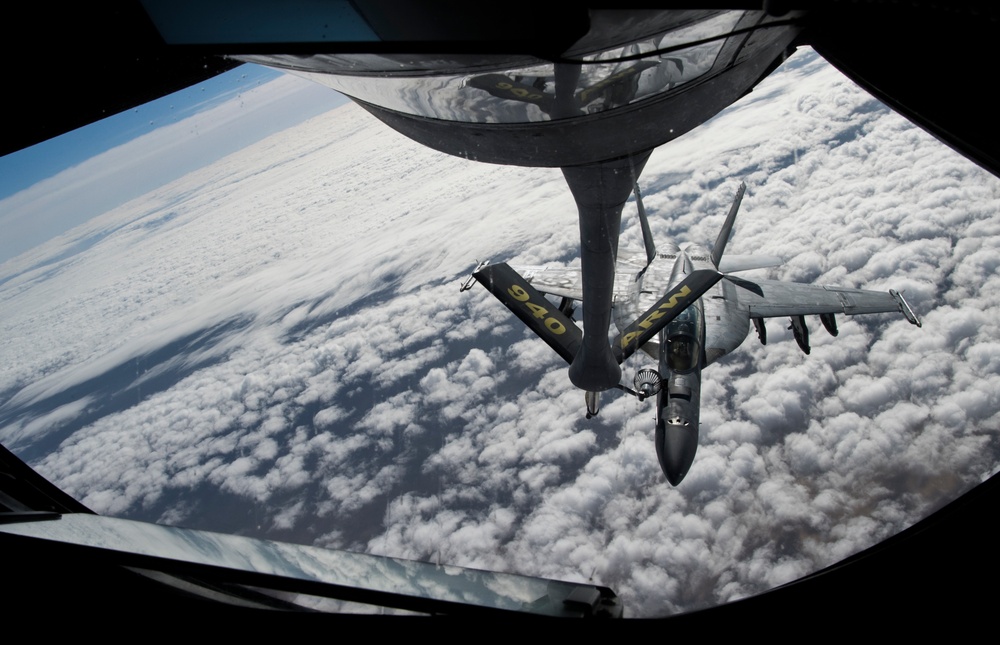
[410, 585]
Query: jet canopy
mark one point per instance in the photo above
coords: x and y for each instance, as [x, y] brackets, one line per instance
[684, 334]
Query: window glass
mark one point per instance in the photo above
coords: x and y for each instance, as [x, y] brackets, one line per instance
[270, 341]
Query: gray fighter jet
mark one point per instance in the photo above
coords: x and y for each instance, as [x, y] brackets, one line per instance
[682, 307]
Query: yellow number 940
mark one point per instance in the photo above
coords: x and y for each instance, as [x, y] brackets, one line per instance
[518, 293]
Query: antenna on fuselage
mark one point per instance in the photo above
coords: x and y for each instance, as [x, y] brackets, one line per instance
[727, 228]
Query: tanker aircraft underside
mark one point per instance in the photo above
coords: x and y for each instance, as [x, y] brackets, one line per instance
[682, 307]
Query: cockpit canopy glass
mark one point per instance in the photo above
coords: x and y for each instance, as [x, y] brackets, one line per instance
[682, 353]
[683, 334]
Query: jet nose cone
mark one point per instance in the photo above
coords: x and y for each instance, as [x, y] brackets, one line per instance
[676, 443]
[674, 475]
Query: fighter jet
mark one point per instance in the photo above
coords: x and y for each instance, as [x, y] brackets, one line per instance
[683, 308]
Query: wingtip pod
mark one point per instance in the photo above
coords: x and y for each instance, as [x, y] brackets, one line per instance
[904, 308]
[468, 283]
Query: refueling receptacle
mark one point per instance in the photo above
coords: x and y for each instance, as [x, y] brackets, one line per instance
[647, 383]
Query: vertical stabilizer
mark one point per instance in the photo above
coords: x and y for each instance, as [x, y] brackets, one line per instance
[727, 228]
[647, 235]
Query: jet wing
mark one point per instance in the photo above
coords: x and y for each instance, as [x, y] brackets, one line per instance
[557, 281]
[771, 298]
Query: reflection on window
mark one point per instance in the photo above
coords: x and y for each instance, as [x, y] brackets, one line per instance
[601, 82]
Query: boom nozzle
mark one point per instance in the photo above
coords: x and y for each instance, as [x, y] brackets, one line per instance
[594, 370]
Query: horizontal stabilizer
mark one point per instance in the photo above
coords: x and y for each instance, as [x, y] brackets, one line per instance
[554, 281]
[528, 304]
[735, 263]
[746, 284]
[665, 310]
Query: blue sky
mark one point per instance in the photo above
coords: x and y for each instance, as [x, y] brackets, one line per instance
[51, 187]
[26, 167]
